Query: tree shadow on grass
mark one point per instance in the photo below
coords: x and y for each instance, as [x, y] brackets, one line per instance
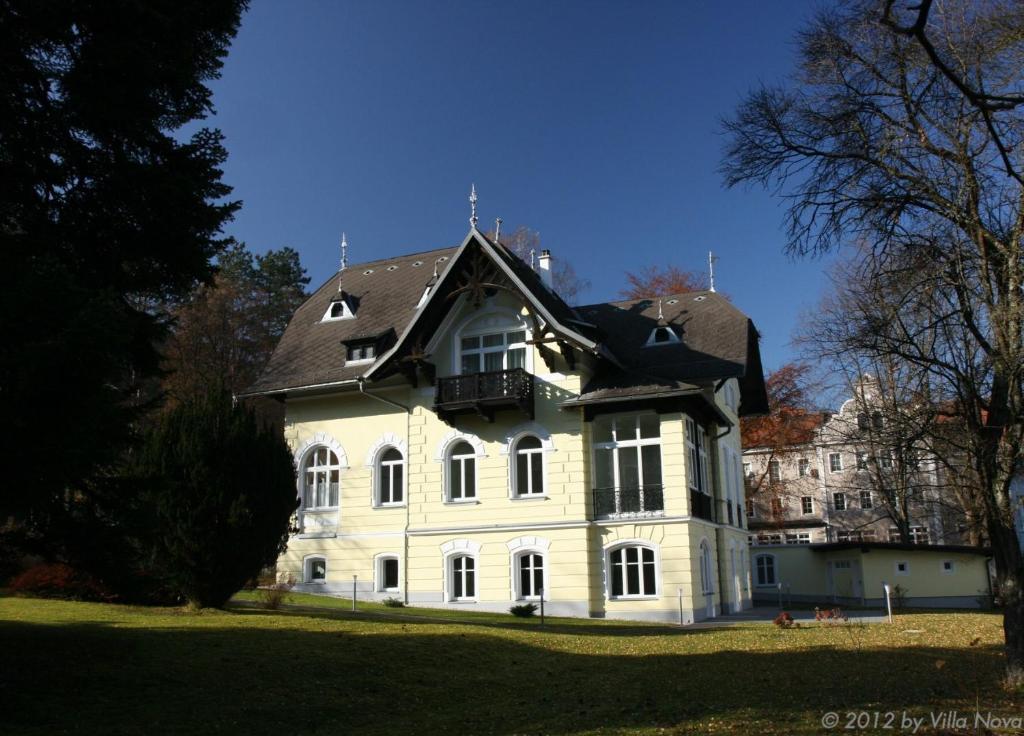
[282, 675]
[551, 626]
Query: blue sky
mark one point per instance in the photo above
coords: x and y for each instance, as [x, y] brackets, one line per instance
[594, 123]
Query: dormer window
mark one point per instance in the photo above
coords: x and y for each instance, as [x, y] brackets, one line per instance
[339, 308]
[662, 335]
[362, 351]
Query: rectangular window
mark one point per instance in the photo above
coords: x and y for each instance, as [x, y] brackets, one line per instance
[865, 500]
[750, 509]
[839, 501]
[806, 504]
[361, 351]
[902, 568]
[803, 467]
[885, 459]
[947, 567]
[774, 471]
[862, 461]
[389, 573]
[835, 462]
[799, 538]
[627, 464]
[778, 506]
[493, 352]
[747, 472]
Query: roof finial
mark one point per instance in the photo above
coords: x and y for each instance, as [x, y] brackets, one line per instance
[661, 314]
[711, 269]
[497, 229]
[344, 259]
[533, 259]
[472, 204]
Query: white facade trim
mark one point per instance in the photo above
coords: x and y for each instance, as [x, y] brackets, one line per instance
[321, 439]
[388, 440]
[519, 544]
[441, 455]
[529, 428]
[613, 545]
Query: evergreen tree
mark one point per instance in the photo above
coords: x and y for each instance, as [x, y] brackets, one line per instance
[221, 489]
[105, 210]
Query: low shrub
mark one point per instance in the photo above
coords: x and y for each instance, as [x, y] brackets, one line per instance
[393, 602]
[524, 610]
[830, 615]
[57, 580]
[275, 594]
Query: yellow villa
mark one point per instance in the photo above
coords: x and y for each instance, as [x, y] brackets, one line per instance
[466, 439]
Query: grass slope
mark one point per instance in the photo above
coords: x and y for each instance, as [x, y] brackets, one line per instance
[93, 668]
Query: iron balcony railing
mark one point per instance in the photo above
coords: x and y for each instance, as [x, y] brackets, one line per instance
[649, 498]
[485, 392]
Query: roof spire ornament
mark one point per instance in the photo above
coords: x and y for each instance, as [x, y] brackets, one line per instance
[344, 260]
[497, 229]
[472, 204]
[711, 269]
[661, 314]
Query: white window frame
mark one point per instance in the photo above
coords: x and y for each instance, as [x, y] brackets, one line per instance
[517, 558]
[774, 569]
[504, 348]
[696, 440]
[635, 443]
[836, 467]
[869, 496]
[803, 467]
[534, 455]
[450, 458]
[307, 566]
[640, 544]
[774, 471]
[707, 568]
[896, 567]
[450, 574]
[331, 466]
[805, 502]
[382, 467]
[378, 572]
[836, 505]
[952, 567]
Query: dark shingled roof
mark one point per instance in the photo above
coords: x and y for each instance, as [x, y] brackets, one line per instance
[716, 341]
[311, 352]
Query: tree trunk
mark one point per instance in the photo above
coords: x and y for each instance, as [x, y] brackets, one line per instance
[1010, 581]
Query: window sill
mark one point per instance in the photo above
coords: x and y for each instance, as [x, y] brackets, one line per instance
[399, 505]
[464, 600]
[529, 497]
[773, 586]
[634, 598]
[460, 501]
[320, 510]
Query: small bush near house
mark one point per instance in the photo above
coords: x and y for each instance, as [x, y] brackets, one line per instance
[57, 580]
[785, 621]
[525, 610]
[830, 615]
[274, 594]
[393, 602]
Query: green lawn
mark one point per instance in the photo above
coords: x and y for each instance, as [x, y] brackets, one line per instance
[93, 668]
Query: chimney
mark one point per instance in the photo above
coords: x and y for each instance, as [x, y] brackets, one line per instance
[546, 274]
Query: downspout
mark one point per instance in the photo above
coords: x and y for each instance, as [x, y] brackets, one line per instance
[408, 502]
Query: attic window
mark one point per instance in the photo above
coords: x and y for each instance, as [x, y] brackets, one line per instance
[392, 268]
[367, 272]
[699, 298]
[361, 351]
[417, 264]
[339, 308]
[662, 335]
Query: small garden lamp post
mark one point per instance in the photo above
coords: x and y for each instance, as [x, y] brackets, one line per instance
[354, 593]
[888, 599]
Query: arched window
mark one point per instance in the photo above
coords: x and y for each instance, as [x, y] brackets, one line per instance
[321, 473]
[528, 476]
[461, 472]
[765, 565]
[462, 578]
[315, 570]
[633, 572]
[390, 482]
[530, 569]
[707, 577]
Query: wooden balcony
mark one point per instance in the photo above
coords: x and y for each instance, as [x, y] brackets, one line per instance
[484, 394]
